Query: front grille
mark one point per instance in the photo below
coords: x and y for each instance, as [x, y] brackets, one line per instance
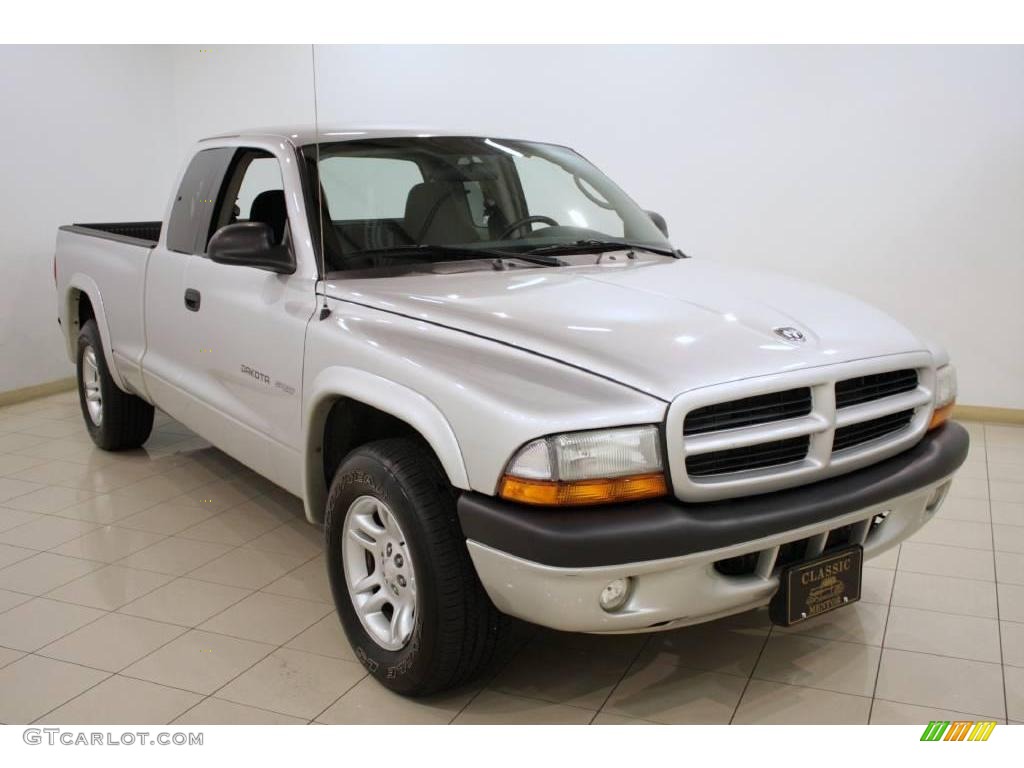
[864, 389]
[750, 457]
[862, 432]
[796, 427]
[749, 411]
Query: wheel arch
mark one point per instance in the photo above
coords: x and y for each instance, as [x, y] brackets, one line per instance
[83, 301]
[343, 387]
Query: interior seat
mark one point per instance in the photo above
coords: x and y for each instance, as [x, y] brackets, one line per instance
[436, 213]
[270, 208]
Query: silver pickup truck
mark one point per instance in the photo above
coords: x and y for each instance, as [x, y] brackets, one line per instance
[502, 392]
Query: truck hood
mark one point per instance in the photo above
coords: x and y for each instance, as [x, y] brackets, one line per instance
[662, 327]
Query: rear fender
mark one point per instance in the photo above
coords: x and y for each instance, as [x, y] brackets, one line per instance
[84, 284]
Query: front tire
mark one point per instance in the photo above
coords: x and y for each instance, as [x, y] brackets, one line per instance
[408, 597]
[115, 419]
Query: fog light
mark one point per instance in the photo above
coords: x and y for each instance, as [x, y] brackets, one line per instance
[615, 594]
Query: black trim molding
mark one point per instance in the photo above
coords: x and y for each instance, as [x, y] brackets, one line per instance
[663, 528]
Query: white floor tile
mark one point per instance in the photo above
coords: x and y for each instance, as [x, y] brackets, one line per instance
[179, 535]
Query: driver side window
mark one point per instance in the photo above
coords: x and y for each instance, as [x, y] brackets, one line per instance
[261, 175]
[567, 199]
[253, 191]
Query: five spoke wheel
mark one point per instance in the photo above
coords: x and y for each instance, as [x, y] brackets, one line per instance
[379, 572]
[91, 384]
[409, 600]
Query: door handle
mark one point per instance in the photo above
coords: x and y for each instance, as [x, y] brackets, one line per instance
[192, 299]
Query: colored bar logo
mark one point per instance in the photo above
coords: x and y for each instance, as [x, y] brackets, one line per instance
[958, 730]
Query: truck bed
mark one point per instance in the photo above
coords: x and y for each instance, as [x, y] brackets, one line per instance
[108, 262]
[136, 232]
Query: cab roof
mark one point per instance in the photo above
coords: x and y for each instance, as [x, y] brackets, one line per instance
[301, 135]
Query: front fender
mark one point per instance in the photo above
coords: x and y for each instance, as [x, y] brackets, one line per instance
[399, 401]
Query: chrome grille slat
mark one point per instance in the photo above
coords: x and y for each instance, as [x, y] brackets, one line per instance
[876, 408]
[860, 412]
[739, 438]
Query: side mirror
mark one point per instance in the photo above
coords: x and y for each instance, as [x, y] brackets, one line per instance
[250, 244]
[659, 222]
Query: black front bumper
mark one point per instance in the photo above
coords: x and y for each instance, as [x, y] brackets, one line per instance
[651, 530]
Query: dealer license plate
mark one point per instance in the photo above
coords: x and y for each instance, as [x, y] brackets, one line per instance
[818, 586]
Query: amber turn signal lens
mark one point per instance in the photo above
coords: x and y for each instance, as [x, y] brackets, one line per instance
[579, 492]
[941, 416]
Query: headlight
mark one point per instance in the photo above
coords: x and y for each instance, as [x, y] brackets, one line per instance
[945, 395]
[587, 468]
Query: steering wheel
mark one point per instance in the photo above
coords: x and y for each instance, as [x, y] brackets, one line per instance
[520, 223]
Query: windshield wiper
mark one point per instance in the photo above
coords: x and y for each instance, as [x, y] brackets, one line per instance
[594, 246]
[461, 253]
[425, 251]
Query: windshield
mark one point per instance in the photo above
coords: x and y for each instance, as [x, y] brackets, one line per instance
[423, 200]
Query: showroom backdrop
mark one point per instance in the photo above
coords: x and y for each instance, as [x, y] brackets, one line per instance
[894, 173]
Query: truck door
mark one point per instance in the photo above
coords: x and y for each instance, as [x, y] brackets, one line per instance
[167, 374]
[246, 327]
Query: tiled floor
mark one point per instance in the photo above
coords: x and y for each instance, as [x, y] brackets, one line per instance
[173, 585]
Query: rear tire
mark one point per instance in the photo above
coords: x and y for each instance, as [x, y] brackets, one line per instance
[115, 420]
[391, 522]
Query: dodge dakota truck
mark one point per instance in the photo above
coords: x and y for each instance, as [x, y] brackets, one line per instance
[502, 392]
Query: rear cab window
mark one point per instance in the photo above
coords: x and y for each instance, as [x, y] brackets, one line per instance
[192, 210]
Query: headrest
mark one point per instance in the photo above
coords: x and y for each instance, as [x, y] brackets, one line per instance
[436, 212]
[270, 208]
